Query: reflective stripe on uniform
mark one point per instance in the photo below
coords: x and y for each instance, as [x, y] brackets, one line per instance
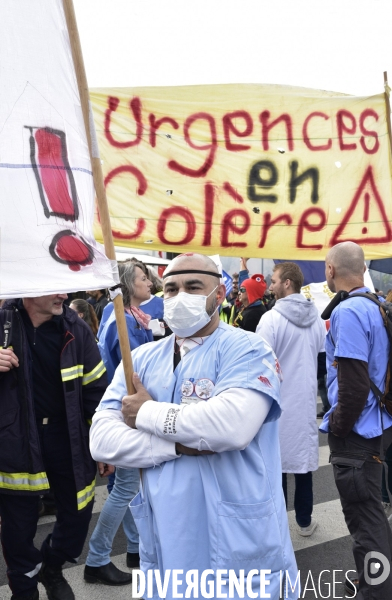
[72, 373]
[96, 373]
[85, 496]
[24, 481]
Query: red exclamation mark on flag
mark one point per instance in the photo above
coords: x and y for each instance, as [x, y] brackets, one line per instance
[49, 157]
[68, 249]
[57, 189]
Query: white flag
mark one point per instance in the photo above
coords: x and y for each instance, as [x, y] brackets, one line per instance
[322, 295]
[46, 184]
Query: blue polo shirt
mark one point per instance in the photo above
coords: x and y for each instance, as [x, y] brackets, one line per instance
[357, 331]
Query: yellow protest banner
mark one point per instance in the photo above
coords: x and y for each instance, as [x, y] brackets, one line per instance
[256, 170]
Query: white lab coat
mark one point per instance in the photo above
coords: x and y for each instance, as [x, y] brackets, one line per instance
[296, 333]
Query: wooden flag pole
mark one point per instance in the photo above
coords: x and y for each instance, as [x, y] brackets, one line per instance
[98, 183]
[388, 107]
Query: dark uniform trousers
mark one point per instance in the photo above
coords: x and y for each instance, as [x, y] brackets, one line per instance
[19, 516]
[357, 471]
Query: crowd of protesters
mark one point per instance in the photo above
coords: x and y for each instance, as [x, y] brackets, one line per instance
[39, 332]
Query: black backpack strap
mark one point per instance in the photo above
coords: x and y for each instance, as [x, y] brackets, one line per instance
[343, 295]
[373, 297]
[336, 300]
[368, 295]
[376, 391]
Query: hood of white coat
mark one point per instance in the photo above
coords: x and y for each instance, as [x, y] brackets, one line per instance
[297, 309]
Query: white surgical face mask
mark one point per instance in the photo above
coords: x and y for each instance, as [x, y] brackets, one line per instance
[187, 313]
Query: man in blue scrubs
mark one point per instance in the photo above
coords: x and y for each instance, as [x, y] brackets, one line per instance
[357, 350]
[203, 427]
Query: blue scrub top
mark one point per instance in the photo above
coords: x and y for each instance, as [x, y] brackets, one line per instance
[109, 345]
[223, 511]
[154, 307]
[357, 331]
[107, 311]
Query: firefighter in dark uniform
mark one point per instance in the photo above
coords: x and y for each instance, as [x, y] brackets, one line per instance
[51, 380]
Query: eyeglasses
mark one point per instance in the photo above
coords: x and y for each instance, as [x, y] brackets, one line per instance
[242, 290]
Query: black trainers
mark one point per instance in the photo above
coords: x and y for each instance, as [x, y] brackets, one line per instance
[55, 584]
[33, 596]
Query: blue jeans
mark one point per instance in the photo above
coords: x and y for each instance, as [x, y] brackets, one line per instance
[111, 479]
[303, 497]
[115, 510]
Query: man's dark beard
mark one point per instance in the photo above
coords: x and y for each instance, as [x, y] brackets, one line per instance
[210, 311]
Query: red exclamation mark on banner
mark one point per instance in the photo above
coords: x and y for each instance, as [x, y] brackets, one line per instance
[57, 190]
[366, 212]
